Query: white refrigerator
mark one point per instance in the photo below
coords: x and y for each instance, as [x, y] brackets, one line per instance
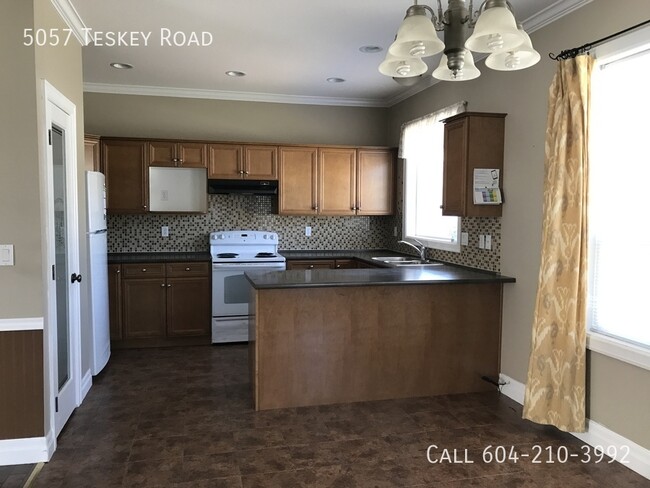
[98, 270]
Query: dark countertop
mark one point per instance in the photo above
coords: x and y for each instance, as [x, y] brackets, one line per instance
[158, 257]
[365, 255]
[417, 275]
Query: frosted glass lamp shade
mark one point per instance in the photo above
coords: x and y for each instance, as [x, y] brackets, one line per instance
[417, 38]
[399, 67]
[522, 57]
[469, 71]
[495, 30]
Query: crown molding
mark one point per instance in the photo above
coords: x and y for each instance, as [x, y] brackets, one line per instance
[71, 17]
[160, 91]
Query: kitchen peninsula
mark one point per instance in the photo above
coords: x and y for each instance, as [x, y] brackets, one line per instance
[321, 336]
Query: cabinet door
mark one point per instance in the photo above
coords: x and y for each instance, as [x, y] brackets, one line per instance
[375, 182]
[162, 153]
[345, 264]
[192, 155]
[225, 161]
[337, 181]
[311, 264]
[144, 307]
[261, 162]
[125, 167]
[91, 153]
[115, 301]
[188, 306]
[298, 172]
[455, 169]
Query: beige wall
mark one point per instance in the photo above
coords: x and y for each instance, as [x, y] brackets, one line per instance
[19, 191]
[619, 393]
[222, 120]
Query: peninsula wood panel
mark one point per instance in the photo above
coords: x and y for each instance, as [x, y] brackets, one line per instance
[317, 346]
[21, 384]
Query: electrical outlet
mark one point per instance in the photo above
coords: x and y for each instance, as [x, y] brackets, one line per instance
[308, 231]
[488, 241]
[7, 255]
[464, 238]
[481, 241]
[164, 231]
[395, 231]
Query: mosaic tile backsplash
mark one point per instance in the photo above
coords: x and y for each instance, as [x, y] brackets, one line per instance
[189, 233]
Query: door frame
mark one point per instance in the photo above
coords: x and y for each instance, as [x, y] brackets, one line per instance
[53, 97]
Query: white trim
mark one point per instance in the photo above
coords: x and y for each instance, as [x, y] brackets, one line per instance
[27, 451]
[552, 13]
[73, 20]
[638, 459]
[617, 349]
[31, 323]
[86, 384]
[161, 91]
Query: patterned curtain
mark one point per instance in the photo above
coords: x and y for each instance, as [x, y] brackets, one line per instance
[555, 388]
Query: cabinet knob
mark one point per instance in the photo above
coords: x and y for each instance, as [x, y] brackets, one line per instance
[117, 271]
[162, 285]
[338, 265]
[169, 286]
[187, 269]
[311, 266]
[144, 206]
[144, 270]
[241, 171]
[246, 173]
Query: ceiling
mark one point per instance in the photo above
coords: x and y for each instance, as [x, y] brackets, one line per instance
[287, 48]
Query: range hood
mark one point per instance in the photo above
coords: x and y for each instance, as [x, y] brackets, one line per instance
[250, 187]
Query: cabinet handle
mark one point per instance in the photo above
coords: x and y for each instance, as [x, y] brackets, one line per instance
[117, 271]
[187, 269]
[169, 286]
[338, 265]
[311, 266]
[315, 207]
[144, 206]
[246, 173]
[162, 286]
[241, 171]
[144, 270]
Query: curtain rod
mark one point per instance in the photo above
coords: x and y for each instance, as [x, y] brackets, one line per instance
[576, 51]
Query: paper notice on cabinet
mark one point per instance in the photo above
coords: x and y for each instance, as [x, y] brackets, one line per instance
[486, 187]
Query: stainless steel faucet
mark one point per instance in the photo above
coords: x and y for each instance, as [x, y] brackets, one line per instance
[421, 248]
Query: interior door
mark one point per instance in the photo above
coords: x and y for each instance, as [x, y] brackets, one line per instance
[63, 258]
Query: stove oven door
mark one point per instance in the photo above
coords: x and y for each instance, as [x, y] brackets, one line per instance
[230, 296]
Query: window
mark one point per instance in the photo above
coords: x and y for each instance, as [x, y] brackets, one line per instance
[619, 196]
[422, 148]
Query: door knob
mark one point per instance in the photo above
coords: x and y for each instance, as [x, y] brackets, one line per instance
[75, 277]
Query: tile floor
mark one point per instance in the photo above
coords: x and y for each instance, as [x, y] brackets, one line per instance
[182, 417]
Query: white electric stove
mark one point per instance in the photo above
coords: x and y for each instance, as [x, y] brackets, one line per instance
[234, 253]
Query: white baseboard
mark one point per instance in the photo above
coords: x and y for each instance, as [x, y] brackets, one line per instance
[637, 460]
[12, 325]
[86, 384]
[27, 451]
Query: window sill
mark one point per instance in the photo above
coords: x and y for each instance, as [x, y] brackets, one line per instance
[617, 349]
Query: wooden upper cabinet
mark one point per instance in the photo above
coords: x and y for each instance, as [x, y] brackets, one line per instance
[298, 190]
[337, 181]
[91, 153]
[225, 161]
[261, 162]
[375, 182]
[472, 140]
[125, 167]
[235, 162]
[178, 154]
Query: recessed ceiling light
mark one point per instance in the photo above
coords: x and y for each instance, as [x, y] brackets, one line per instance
[236, 74]
[121, 65]
[371, 49]
[335, 80]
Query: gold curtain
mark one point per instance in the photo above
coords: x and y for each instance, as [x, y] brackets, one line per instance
[555, 388]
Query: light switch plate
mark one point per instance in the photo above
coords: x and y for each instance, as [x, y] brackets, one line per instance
[481, 241]
[308, 231]
[488, 241]
[464, 238]
[164, 231]
[6, 254]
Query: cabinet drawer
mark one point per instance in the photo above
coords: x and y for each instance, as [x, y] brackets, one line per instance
[144, 270]
[176, 270]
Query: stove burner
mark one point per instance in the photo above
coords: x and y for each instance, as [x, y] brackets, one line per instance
[227, 255]
[265, 255]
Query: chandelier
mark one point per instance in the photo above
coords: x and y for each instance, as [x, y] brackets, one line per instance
[495, 31]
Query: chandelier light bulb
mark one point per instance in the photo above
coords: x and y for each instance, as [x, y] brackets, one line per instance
[403, 69]
[512, 61]
[495, 42]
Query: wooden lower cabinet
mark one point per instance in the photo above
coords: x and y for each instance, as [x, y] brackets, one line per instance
[159, 304]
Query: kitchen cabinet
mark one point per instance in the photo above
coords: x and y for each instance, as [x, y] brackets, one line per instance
[160, 303]
[125, 167]
[336, 181]
[115, 301]
[472, 140]
[243, 161]
[178, 154]
[91, 153]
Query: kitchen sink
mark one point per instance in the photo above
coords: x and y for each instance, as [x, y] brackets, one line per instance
[404, 261]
